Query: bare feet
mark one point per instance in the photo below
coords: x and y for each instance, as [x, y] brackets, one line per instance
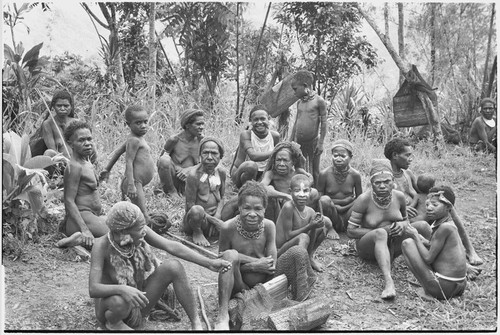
[73, 240]
[389, 291]
[474, 259]
[332, 234]
[422, 294]
[120, 325]
[199, 239]
[316, 265]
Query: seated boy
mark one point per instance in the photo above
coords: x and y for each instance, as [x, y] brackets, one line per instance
[205, 187]
[180, 153]
[439, 265]
[424, 183]
[81, 198]
[298, 224]
[339, 185]
[310, 119]
[255, 147]
[139, 164]
[127, 280]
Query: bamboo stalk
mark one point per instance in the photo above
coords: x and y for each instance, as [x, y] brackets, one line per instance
[203, 312]
[202, 250]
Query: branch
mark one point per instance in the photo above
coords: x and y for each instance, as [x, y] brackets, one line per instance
[93, 16]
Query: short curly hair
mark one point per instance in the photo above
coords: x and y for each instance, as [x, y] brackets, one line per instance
[63, 95]
[395, 146]
[425, 182]
[303, 77]
[252, 188]
[131, 109]
[447, 192]
[295, 153]
[255, 108]
[74, 126]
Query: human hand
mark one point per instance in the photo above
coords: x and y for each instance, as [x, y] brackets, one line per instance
[131, 191]
[412, 212]
[104, 176]
[133, 296]
[317, 221]
[412, 232]
[182, 174]
[87, 238]
[396, 229]
[219, 265]
[319, 149]
[264, 265]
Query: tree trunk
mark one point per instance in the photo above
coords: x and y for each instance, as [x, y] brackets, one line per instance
[485, 88]
[152, 57]
[401, 41]
[492, 78]
[386, 18]
[433, 42]
[239, 116]
[405, 68]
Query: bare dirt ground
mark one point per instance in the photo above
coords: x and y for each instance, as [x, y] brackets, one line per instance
[47, 288]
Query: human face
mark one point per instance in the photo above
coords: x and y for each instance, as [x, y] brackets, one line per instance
[134, 234]
[196, 128]
[251, 212]
[488, 109]
[260, 122]
[283, 162]
[340, 157]
[299, 89]
[210, 156]
[62, 107]
[81, 142]
[382, 184]
[435, 209]
[300, 193]
[404, 158]
[139, 123]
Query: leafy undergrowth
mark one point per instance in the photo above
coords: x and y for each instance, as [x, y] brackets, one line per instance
[47, 287]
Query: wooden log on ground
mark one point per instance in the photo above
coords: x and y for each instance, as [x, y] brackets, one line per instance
[277, 287]
[307, 315]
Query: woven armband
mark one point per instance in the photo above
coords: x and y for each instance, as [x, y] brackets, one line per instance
[355, 219]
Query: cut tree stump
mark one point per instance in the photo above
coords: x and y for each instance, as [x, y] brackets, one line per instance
[304, 316]
[277, 287]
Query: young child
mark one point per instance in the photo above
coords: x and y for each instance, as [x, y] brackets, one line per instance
[82, 202]
[205, 185]
[424, 183]
[311, 117]
[127, 280]
[439, 265]
[180, 153]
[299, 224]
[139, 164]
[339, 185]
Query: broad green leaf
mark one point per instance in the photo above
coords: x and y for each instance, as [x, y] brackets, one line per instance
[25, 149]
[15, 145]
[8, 176]
[39, 162]
[35, 198]
[8, 53]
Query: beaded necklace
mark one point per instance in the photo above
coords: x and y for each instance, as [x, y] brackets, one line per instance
[341, 175]
[398, 174]
[125, 253]
[247, 234]
[382, 202]
[302, 217]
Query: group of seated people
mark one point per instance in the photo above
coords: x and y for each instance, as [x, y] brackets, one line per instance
[279, 207]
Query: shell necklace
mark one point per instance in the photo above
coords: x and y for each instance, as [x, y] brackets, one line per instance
[302, 217]
[125, 253]
[382, 202]
[341, 175]
[249, 235]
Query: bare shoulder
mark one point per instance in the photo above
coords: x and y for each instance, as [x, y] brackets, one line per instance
[229, 225]
[362, 201]
[275, 135]
[245, 135]
[399, 196]
[287, 206]
[221, 171]
[320, 101]
[355, 173]
[75, 169]
[269, 225]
